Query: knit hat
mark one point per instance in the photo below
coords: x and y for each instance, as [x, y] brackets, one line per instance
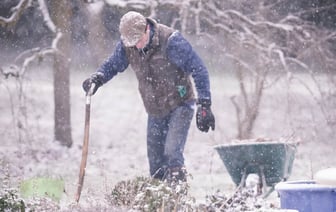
[132, 27]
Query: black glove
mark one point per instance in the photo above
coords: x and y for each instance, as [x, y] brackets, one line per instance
[96, 79]
[204, 117]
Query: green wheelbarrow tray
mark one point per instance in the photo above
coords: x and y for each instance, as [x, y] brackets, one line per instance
[272, 161]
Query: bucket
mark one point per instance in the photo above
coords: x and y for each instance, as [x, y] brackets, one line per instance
[307, 196]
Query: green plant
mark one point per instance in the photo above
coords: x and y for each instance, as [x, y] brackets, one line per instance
[10, 201]
[147, 194]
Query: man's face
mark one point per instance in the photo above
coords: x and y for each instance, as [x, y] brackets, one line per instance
[144, 40]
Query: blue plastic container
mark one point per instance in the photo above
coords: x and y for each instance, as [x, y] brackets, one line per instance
[307, 196]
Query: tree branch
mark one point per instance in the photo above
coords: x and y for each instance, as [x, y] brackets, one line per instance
[44, 9]
[28, 56]
[16, 13]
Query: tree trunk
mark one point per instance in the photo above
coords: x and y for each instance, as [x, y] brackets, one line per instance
[96, 36]
[61, 13]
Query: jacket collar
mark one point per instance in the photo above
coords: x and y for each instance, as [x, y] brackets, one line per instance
[154, 34]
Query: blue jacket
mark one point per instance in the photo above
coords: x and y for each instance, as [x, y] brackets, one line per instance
[179, 52]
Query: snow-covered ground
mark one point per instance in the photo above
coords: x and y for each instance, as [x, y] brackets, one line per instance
[117, 148]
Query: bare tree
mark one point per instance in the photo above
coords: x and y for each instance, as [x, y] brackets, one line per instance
[59, 48]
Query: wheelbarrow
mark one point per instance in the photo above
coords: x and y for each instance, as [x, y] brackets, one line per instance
[271, 161]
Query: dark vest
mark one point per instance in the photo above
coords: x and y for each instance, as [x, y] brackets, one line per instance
[162, 85]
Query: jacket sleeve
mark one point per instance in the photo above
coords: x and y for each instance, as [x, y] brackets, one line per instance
[181, 53]
[115, 64]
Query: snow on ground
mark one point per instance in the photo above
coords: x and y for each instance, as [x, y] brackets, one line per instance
[117, 148]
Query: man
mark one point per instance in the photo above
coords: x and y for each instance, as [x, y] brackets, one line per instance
[163, 61]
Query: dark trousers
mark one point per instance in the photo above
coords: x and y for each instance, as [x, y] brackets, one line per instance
[166, 138]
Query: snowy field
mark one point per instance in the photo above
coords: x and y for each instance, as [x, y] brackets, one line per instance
[117, 148]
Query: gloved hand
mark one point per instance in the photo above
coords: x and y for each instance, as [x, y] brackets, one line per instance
[204, 117]
[96, 79]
